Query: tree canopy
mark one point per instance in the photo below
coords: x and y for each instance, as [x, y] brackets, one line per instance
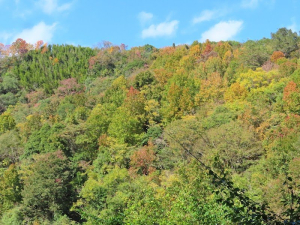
[206, 133]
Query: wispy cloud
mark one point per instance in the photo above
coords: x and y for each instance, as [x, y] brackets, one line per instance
[64, 7]
[22, 13]
[205, 15]
[5, 37]
[294, 26]
[250, 3]
[164, 29]
[145, 17]
[41, 31]
[51, 6]
[222, 31]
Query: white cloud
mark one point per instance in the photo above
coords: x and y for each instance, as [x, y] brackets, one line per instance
[41, 31]
[222, 31]
[250, 3]
[51, 6]
[205, 15]
[145, 17]
[160, 30]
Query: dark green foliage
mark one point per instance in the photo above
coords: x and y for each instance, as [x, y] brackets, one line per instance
[285, 40]
[11, 146]
[152, 134]
[47, 189]
[254, 54]
[7, 100]
[9, 84]
[48, 68]
[44, 140]
[134, 64]
[9, 91]
[143, 78]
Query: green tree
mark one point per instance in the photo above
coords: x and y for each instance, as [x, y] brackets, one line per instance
[103, 198]
[44, 140]
[285, 40]
[253, 54]
[11, 146]
[10, 188]
[47, 186]
[7, 122]
[125, 127]
[143, 78]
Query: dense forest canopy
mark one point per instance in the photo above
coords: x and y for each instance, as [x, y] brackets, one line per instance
[206, 133]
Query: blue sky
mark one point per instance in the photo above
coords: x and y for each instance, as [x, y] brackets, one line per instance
[136, 23]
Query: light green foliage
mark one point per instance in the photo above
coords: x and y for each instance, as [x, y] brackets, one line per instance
[125, 127]
[220, 116]
[100, 118]
[12, 217]
[233, 145]
[10, 188]
[214, 64]
[7, 122]
[144, 207]
[98, 85]
[102, 198]
[80, 114]
[296, 76]
[117, 92]
[287, 68]
[174, 201]
[64, 110]
[258, 78]
[233, 69]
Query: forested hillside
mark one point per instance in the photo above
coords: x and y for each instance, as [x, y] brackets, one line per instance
[207, 133]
